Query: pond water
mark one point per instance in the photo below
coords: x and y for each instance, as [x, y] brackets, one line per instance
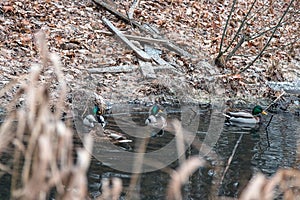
[257, 150]
[252, 151]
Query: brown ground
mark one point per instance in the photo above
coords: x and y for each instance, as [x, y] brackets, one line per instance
[76, 32]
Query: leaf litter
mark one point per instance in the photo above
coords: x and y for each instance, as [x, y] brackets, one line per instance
[75, 31]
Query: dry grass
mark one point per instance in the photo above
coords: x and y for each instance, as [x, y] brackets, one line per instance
[181, 176]
[43, 160]
[285, 182]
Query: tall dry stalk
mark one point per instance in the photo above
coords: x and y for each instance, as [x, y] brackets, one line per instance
[285, 182]
[181, 176]
[43, 159]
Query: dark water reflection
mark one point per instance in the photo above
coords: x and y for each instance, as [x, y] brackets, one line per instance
[252, 155]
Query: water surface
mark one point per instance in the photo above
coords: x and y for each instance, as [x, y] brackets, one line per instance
[256, 151]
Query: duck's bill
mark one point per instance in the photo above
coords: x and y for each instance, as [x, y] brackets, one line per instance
[264, 113]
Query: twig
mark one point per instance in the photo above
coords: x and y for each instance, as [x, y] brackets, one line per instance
[272, 115]
[238, 32]
[256, 14]
[231, 157]
[283, 93]
[225, 28]
[237, 46]
[155, 54]
[266, 30]
[132, 8]
[282, 47]
[269, 122]
[267, 131]
[270, 38]
[260, 34]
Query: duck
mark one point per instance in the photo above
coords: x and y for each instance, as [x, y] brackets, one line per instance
[96, 125]
[157, 120]
[90, 121]
[105, 136]
[98, 114]
[117, 138]
[241, 117]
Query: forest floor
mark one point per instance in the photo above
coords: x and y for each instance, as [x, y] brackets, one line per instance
[76, 32]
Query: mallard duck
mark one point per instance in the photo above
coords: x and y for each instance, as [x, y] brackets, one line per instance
[245, 117]
[156, 120]
[101, 135]
[90, 121]
[98, 113]
[116, 137]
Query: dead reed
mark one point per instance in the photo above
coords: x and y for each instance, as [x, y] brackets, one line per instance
[285, 183]
[43, 162]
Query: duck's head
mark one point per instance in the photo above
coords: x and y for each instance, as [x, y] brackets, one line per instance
[97, 110]
[154, 110]
[257, 110]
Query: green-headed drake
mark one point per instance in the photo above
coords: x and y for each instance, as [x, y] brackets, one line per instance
[156, 120]
[98, 113]
[245, 117]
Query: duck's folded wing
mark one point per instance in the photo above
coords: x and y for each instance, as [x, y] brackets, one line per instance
[243, 120]
[240, 114]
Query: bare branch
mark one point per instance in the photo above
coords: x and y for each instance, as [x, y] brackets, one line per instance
[278, 24]
[242, 40]
[238, 32]
[132, 8]
[225, 28]
[265, 31]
